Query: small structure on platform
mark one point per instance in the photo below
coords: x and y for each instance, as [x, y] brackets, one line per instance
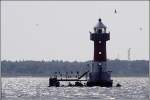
[54, 82]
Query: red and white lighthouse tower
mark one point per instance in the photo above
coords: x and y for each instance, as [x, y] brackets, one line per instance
[99, 75]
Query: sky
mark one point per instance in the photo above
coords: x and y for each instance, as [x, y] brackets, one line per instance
[59, 30]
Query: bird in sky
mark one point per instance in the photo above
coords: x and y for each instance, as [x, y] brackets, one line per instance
[115, 11]
[36, 24]
[140, 28]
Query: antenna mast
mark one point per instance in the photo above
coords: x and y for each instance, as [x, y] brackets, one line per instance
[129, 56]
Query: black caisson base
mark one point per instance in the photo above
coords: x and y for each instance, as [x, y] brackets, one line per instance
[101, 83]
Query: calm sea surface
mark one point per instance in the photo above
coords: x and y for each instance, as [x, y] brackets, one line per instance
[28, 88]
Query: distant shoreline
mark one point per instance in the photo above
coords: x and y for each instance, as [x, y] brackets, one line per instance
[119, 68]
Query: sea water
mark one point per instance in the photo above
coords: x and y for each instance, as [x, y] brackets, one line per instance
[36, 88]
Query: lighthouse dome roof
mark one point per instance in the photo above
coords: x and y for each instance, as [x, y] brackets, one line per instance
[100, 24]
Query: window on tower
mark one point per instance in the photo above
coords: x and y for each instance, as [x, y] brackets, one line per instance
[100, 52]
[99, 64]
[99, 30]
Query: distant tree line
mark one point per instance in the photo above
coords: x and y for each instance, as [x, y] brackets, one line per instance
[119, 68]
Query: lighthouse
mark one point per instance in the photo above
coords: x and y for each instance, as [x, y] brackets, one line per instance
[99, 75]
